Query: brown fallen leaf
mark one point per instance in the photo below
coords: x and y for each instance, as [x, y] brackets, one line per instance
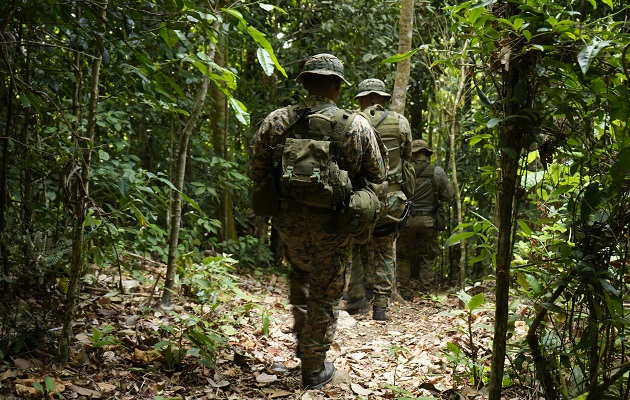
[22, 363]
[266, 378]
[85, 392]
[273, 393]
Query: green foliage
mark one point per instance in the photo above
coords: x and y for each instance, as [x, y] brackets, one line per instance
[469, 360]
[48, 388]
[100, 337]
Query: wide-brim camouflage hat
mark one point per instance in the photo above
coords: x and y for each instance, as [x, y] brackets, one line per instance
[372, 86]
[323, 64]
[420, 144]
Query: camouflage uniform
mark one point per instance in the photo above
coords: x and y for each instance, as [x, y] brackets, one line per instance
[418, 241]
[318, 254]
[398, 141]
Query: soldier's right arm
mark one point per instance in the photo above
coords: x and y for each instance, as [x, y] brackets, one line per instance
[263, 143]
[444, 185]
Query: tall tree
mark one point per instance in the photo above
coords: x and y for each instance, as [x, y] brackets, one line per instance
[78, 185]
[180, 177]
[403, 68]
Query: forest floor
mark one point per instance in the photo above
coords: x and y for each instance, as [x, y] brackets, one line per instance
[113, 354]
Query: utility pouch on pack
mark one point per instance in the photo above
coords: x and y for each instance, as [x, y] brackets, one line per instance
[264, 197]
[359, 216]
[308, 158]
[310, 176]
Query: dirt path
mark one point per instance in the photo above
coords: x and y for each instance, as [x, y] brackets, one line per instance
[114, 352]
[374, 360]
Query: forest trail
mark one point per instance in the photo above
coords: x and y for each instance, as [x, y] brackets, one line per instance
[374, 360]
[114, 357]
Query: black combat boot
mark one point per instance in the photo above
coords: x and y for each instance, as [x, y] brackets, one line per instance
[356, 306]
[317, 379]
[380, 314]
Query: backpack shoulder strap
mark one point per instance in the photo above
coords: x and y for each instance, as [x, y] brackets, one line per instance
[381, 119]
[296, 113]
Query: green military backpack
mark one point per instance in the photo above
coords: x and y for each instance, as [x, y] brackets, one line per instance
[308, 158]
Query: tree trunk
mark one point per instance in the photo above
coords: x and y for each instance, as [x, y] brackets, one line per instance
[399, 94]
[180, 176]
[78, 189]
[515, 132]
[4, 195]
[455, 126]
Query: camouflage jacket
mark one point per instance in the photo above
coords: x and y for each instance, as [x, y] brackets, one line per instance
[360, 152]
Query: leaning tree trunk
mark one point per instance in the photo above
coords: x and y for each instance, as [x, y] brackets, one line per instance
[399, 94]
[78, 193]
[180, 175]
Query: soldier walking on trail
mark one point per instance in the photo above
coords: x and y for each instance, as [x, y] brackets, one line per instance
[317, 252]
[395, 133]
[418, 242]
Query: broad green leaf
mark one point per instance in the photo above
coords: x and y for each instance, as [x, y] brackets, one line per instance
[454, 348]
[609, 3]
[454, 239]
[608, 287]
[259, 37]
[169, 36]
[399, 57]
[493, 122]
[238, 15]
[589, 53]
[192, 202]
[265, 61]
[524, 227]
[173, 85]
[464, 297]
[532, 156]
[138, 214]
[476, 301]
[50, 384]
[229, 330]
[522, 280]
[269, 7]
[123, 185]
[240, 111]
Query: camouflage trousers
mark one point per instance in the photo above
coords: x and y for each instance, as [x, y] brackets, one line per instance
[417, 245]
[318, 257]
[361, 272]
[383, 265]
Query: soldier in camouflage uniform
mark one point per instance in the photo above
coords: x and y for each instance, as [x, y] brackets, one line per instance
[317, 253]
[395, 132]
[418, 241]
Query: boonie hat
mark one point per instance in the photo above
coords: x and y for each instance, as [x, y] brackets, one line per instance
[420, 144]
[372, 86]
[322, 64]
